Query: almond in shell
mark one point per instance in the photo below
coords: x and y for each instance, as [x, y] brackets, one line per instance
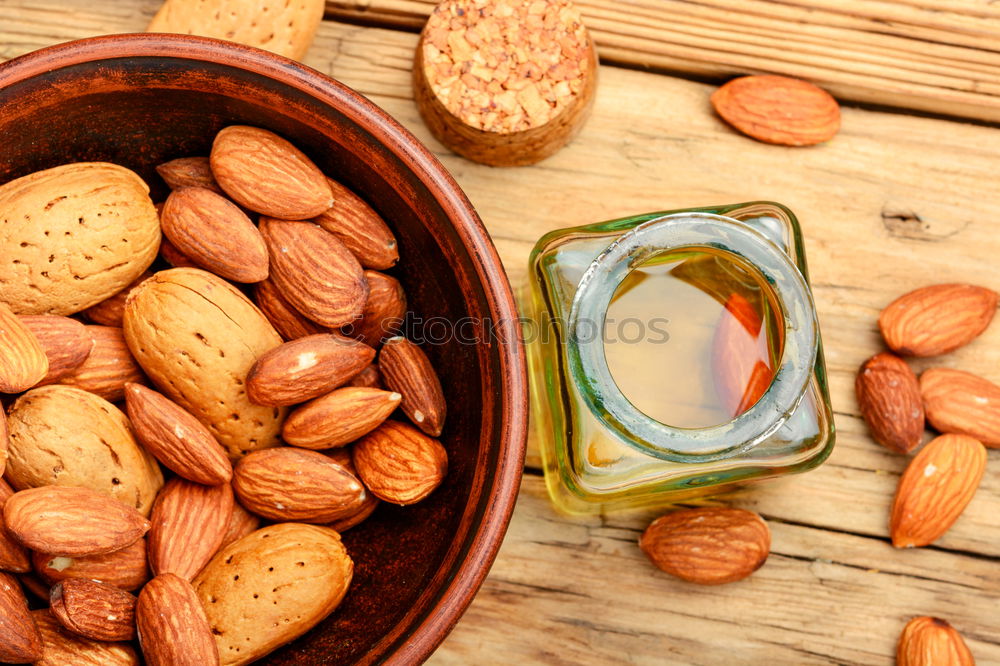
[20, 641]
[306, 368]
[399, 464]
[889, 397]
[189, 522]
[172, 626]
[931, 641]
[778, 109]
[214, 233]
[961, 402]
[360, 228]
[406, 369]
[339, 417]
[265, 173]
[315, 272]
[66, 343]
[935, 488]
[108, 368]
[94, 610]
[937, 319]
[708, 545]
[22, 360]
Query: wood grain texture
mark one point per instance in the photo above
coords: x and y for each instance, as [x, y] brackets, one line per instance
[892, 203]
[931, 55]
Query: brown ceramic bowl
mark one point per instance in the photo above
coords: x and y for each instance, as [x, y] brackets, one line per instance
[139, 100]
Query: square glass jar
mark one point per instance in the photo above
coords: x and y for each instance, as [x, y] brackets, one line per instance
[599, 451]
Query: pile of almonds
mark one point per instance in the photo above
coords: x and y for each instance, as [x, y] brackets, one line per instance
[179, 469]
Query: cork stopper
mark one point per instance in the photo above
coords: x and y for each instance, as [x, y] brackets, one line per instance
[505, 82]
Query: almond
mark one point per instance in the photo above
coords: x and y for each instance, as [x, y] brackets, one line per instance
[741, 364]
[778, 109]
[64, 648]
[937, 319]
[930, 641]
[406, 369]
[384, 310]
[935, 488]
[339, 417]
[125, 569]
[64, 341]
[176, 438]
[109, 312]
[241, 523]
[189, 522]
[370, 377]
[13, 556]
[708, 545]
[188, 172]
[889, 397]
[108, 368]
[172, 626]
[4, 441]
[94, 610]
[22, 360]
[961, 402]
[302, 369]
[364, 511]
[20, 641]
[359, 227]
[175, 257]
[286, 320]
[288, 484]
[400, 464]
[214, 233]
[315, 272]
[72, 521]
[267, 174]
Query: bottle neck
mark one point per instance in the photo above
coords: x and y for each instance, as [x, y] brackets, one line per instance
[588, 365]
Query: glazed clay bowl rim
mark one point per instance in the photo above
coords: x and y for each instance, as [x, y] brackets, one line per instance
[495, 508]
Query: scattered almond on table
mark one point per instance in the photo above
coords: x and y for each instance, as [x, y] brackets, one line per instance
[210, 380]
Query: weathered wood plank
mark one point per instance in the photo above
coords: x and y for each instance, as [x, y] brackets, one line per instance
[916, 54]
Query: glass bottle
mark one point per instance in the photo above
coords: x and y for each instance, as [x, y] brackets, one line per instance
[742, 393]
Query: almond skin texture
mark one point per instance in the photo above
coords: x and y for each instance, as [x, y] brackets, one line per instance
[13, 556]
[359, 227]
[399, 464]
[4, 444]
[370, 377]
[315, 272]
[64, 341]
[889, 397]
[935, 488]
[406, 369]
[172, 626]
[306, 368]
[384, 310]
[961, 402]
[188, 172]
[109, 312]
[285, 319]
[94, 610]
[20, 642]
[214, 233]
[778, 109]
[930, 641]
[937, 319]
[267, 174]
[73, 236]
[294, 484]
[61, 435]
[22, 360]
[197, 337]
[709, 545]
[271, 587]
[241, 523]
[62, 647]
[189, 522]
[125, 569]
[72, 521]
[339, 417]
[108, 368]
[175, 438]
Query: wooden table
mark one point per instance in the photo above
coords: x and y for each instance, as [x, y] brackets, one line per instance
[896, 201]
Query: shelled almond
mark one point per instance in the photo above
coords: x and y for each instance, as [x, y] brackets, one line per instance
[89, 518]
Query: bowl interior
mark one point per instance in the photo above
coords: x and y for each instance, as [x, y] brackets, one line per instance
[141, 100]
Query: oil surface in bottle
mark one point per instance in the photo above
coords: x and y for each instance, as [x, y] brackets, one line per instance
[692, 337]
